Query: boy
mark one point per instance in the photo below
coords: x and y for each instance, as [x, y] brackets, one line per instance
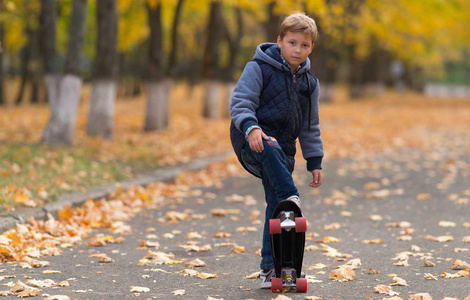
[274, 103]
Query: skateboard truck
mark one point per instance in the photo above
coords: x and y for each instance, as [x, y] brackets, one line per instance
[287, 220]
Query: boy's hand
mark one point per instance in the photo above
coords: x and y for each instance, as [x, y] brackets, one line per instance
[255, 139]
[317, 177]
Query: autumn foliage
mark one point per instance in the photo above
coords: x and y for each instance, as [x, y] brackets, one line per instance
[352, 130]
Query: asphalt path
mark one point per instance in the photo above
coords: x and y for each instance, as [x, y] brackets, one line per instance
[371, 209]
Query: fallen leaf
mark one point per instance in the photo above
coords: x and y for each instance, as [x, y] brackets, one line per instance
[460, 264]
[196, 263]
[328, 239]
[194, 273]
[194, 235]
[41, 283]
[343, 273]
[354, 263]
[312, 248]
[428, 263]
[374, 241]
[447, 224]
[179, 292]
[402, 224]
[386, 290]
[253, 275]
[218, 212]
[58, 297]
[139, 289]
[64, 283]
[399, 282]
[219, 234]
[463, 273]
[429, 276]
[103, 258]
[332, 226]
[318, 266]
[376, 217]
[29, 292]
[421, 296]
[423, 196]
[440, 239]
[282, 297]
[158, 258]
[196, 248]
[18, 286]
[246, 229]
[372, 271]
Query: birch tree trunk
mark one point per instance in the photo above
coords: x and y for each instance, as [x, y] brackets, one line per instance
[156, 117]
[157, 110]
[101, 112]
[60, 129]
[48, 20]
[211, 108]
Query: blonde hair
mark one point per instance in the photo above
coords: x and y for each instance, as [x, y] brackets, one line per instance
[299, 22]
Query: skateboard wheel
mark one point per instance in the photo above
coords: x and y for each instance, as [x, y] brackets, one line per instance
[300, 224]
[301, 285]
[275, 226]
[276, 285]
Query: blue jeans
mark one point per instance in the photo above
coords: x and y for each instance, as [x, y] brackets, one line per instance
[277, 182]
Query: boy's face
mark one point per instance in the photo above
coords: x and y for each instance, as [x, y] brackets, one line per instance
[295, 48]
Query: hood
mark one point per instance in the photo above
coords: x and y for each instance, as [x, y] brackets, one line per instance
[271, 54]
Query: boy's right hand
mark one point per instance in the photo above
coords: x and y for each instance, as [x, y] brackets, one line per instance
[255, 139]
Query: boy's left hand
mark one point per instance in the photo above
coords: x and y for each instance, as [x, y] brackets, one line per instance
[317, 178]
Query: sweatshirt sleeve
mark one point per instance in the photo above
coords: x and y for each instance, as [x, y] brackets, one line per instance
[245, 97]
[310, 138]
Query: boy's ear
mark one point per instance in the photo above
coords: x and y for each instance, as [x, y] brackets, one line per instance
[279, 41]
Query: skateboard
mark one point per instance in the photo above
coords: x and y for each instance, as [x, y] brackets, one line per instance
[287, 228]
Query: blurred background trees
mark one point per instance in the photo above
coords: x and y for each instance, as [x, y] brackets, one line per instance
[143, 46]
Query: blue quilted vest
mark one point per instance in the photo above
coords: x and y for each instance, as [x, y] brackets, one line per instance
[284, 102]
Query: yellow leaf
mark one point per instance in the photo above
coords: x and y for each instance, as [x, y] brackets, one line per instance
[343, 273]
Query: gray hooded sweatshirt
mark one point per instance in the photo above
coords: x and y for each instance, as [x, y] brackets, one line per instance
[284, 105]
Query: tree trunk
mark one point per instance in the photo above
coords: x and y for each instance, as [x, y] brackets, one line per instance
[156, 117]
[2, 75]
[47, 37]
[273, 23]
[210, 65]
[324, 65]
[60, 129]
[174, 40]
[356, 75]
[35, 69]
[212, 99]
[61, 126]
[234, 46]
[25, 61]
[157, 110]
[101, 112]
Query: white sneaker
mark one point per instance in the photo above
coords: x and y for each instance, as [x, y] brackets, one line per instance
[266, 278]
[296, 199]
